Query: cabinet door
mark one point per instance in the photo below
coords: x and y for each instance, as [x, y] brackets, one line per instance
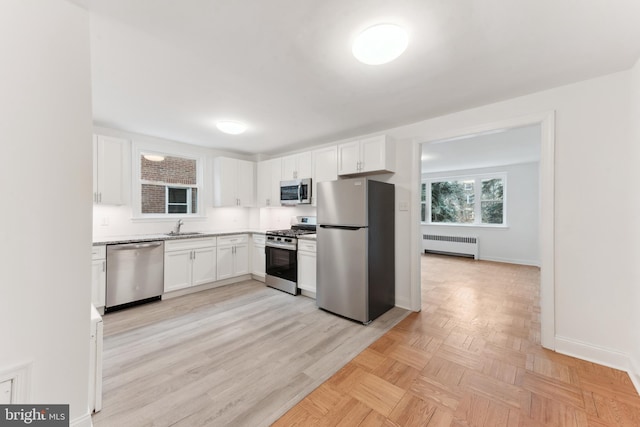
[246, 183]
[224, 182]
[304, 165]
[241, 260]
[224, 265]
[110, 169]
[373, 154]
[258, 261]
[204, 266]
[348, 158]
[325, 168]
[263, 184]
[276, 177]
[307, 271]
[177, 270]
[98, 282]
[289, 168]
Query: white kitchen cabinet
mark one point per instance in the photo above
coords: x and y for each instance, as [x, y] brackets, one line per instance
[268, 182]
[369, 155]
[307, 267]
[325, 168]
[108, 169]
[258, 260]
[297, 166]
[98, 275]
[189, 262]
[233, 182]
[233, 256]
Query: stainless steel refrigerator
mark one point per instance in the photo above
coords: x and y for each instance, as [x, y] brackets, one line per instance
[355, 248]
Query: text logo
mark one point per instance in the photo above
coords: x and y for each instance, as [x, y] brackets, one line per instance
[34, 415]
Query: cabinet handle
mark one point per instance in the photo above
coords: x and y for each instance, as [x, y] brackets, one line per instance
[100, 197]
[194, 254]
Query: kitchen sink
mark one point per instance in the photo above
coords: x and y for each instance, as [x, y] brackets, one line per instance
[183, 233]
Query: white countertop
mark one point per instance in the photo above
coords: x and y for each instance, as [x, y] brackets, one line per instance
[112, 240]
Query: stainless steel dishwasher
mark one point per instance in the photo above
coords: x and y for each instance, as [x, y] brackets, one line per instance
[135, 273]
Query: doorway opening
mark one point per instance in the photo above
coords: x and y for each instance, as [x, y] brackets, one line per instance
[501, 194]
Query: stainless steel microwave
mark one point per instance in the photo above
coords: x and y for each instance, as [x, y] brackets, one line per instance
[295, 192]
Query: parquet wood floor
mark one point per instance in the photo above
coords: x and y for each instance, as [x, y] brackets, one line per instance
[472, 357]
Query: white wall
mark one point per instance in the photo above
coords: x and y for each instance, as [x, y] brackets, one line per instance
[45, 182]
[592, 249]
[518, 242]
[634, 225]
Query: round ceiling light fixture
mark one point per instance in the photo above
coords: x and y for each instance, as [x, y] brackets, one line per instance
[153, 157]
[231, 127]
[380, 44]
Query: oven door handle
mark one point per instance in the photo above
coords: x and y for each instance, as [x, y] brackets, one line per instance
[285, 246]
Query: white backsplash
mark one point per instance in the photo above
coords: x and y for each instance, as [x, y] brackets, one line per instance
[109, 221]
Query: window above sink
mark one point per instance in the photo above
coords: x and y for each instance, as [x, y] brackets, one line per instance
[166, 184]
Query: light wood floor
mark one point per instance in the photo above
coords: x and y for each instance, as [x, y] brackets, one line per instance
[472, 357]
[240, 355]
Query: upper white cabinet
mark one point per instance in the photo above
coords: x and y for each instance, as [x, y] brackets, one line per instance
[369, 155]
[108, 169]
[268, 182]
[297, 166]
[325, 168]
[233, 182]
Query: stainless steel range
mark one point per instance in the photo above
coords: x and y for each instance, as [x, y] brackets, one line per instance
[281, 249]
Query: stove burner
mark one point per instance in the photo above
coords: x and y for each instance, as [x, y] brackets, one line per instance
[290, 232]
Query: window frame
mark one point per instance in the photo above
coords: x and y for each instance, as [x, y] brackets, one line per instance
[188, 204]
[141, 148]
[477, 178]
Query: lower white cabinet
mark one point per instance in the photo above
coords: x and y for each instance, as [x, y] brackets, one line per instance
[307, 267]
[233, 256]
[189, 262]
[258, 259]
[98, 275]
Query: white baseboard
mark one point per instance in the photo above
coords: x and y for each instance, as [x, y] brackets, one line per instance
[533, 263]
[593, 353]
[404, 303]
[82, 421]
[206, 286]
[634, 373]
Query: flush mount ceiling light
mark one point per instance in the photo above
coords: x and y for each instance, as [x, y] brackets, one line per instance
[153, 157]
[231, 127]
[380, 44]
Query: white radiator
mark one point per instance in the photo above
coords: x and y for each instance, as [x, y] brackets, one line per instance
[454, 245]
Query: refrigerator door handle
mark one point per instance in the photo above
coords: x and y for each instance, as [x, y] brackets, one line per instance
[342, 227]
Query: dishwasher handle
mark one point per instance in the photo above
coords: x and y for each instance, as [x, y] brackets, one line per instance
[134, 246]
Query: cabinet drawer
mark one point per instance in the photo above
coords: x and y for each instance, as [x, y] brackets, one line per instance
[258, 239]
[233, 239]
[98, 252]
[306, 245]
[180, 244]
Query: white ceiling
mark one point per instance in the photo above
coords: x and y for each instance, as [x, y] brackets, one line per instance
[508, 147]
[172, 68]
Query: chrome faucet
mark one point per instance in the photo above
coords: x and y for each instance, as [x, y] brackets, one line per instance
[176, 230]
